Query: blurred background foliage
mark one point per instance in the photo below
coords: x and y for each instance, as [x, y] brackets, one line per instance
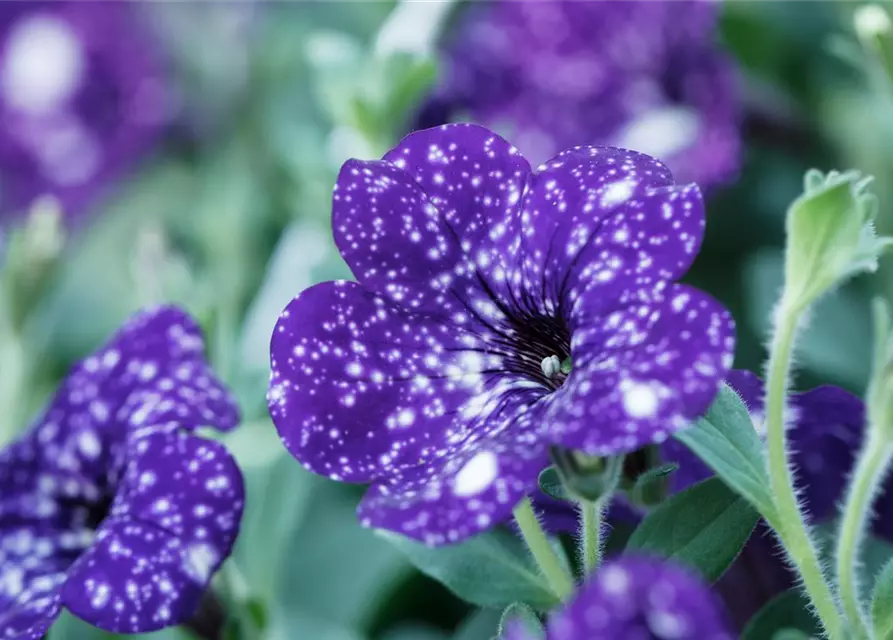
[229, 213]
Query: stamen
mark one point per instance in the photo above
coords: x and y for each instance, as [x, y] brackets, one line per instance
[551, 366]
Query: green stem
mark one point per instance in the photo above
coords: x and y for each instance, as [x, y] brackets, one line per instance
[792, 528]
[591, 525]
[541, 549]
[871, 467]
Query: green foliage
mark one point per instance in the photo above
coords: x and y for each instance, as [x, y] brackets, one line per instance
[550, 483]
[650, 488]
[525, 617]
[790, 610]
[704, 527]
[492, 569]
[726, 440]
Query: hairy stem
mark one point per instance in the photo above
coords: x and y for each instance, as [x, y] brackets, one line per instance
[591, 525]
[543, 553]
[792, 529]
[871, 467]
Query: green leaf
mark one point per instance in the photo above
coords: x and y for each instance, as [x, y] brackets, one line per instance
[704, 527]
[490, 570]
[882, 604]
[550, 484]
[519, 613]
[786, 612]
[725, 439]
[651, 488]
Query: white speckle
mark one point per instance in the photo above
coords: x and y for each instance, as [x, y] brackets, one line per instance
[43, 64]
[100, 596]
[667, 626]
[614, 579]
[617, 193]
[640, 401]
[406, 417]
[89, 444]
[200, 560]
[477, 474]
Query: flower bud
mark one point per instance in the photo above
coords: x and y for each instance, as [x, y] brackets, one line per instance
[830, 235]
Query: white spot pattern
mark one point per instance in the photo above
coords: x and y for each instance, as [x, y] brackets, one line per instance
[472, 270]
[153, 550]
[639, 598]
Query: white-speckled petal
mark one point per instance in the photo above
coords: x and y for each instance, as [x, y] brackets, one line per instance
[173, 522]
[642, 370]
[607, 217]
[33, 560]
[474, 486]
[360, 388]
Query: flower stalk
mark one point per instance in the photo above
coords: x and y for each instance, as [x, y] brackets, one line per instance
[871, 468]
[542, 551]
[830, 238]
[792, 529]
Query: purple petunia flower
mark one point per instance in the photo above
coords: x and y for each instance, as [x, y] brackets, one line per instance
[83, 93]
[826, 432]
[110, 506]
[434, 377]
[640, 75]
[638, 598]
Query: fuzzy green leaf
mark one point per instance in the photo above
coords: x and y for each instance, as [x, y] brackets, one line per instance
[784, 613]
[725, 439]
[490, 570]
[520, 614]
[704, 527]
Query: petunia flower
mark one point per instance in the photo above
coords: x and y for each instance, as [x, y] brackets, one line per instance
[433, 377]
[83, 95]
[641, 75]
[637, 598]
[825, 434]
[110, 505]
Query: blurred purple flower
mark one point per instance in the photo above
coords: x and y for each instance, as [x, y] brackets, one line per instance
[825, 434]
[646, 76]
[637, 598]
[434, 377]
[110, 506]
[83, 94]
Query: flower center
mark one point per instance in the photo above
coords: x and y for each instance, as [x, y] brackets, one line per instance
[97, 511]
[87, 513]
[555, 371]
[539, 350]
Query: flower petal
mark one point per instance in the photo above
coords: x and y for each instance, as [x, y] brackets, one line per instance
[361, 389]
[189, 486]
[173, 523]
[436, 215]
[32, 568]
[151, 375]
[473, 487]
[641, 598]
[642, 371]
[136, 578]
[474, 177]
[34, 494]
[607, 219]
